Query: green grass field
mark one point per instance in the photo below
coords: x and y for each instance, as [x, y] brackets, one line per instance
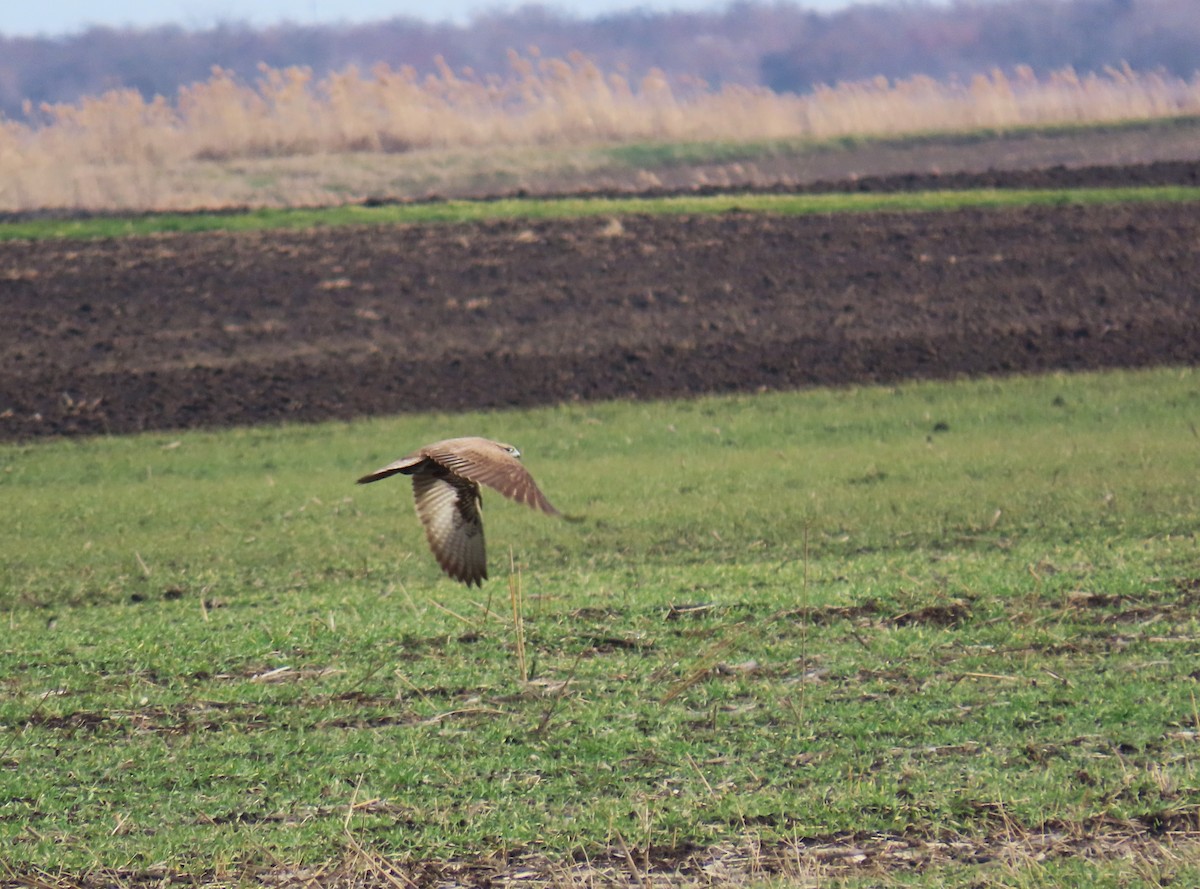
[950, 629]
[567, 208]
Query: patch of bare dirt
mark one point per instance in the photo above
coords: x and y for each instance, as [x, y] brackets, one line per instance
[181, 331]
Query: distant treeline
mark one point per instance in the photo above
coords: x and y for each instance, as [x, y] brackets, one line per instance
[779, 45]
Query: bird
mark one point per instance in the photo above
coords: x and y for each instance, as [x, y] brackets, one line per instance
[446, 476]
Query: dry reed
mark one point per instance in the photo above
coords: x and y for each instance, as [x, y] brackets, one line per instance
[119, 150]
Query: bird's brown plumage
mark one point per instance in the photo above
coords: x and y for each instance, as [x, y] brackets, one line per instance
[446, 478]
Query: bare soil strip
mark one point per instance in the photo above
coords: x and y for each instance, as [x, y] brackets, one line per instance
[212, 330]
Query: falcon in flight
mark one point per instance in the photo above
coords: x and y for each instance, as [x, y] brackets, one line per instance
[446, 477]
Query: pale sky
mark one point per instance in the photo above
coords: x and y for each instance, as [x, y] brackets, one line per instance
[57, 17]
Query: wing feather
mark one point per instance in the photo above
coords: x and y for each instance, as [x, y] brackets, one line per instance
[407, 465]
[488, 463]
[448, 507]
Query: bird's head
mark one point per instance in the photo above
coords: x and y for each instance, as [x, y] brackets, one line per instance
[510, 449]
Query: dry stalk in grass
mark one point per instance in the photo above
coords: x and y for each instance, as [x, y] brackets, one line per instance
[516, 597]
[120, 150]
[544, 722]
[805, 603]
[704, 665]
[372, 862]
[634, 870]
[375, 865]
[811, 861]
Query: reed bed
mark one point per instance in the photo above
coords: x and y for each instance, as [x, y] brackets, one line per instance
[120, 150]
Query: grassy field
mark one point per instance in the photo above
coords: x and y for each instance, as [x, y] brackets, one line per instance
[930, 635]
[574, 208]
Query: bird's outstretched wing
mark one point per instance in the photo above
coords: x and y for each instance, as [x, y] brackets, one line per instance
[448, 507]
[407, 465]
[487, 463]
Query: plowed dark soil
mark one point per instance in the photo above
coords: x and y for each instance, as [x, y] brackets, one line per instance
[175, 331]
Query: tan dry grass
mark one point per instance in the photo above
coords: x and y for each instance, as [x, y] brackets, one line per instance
[120, 151]
[886, 860]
